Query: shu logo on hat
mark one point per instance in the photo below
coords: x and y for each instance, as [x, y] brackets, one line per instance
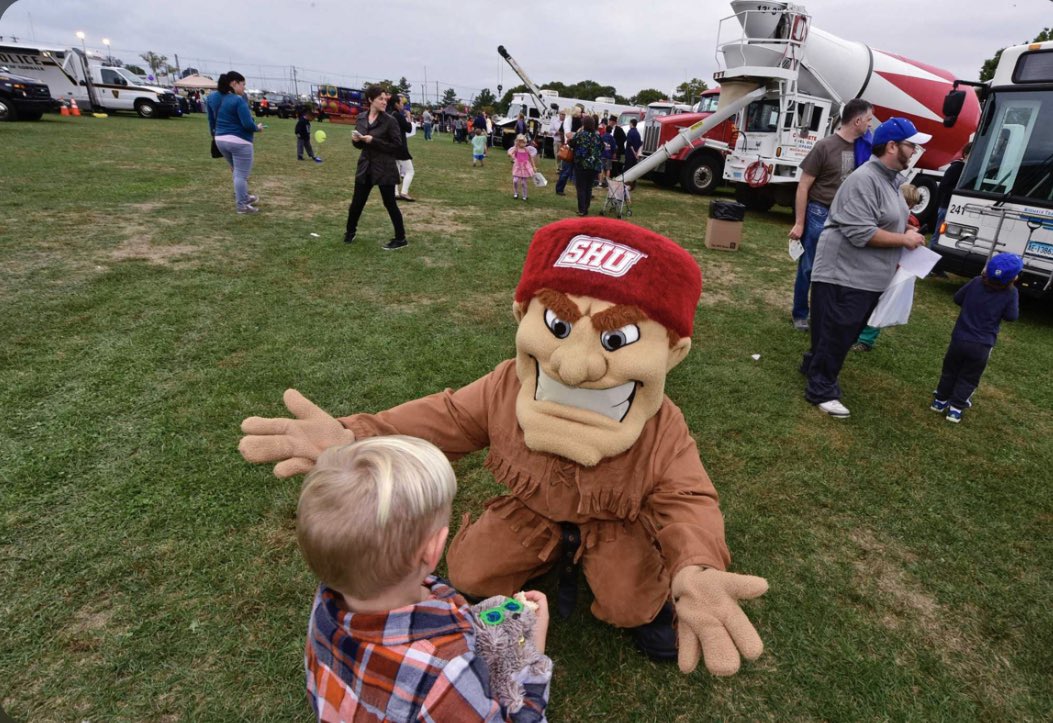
[590, 253]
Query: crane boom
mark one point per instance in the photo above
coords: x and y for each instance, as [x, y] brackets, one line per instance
[534, 90]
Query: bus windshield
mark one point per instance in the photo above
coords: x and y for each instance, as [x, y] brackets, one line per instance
[1012, 154]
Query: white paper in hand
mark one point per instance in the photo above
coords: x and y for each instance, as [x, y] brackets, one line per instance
[796, 249]
[918, 262]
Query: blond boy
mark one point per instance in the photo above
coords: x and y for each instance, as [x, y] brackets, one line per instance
[388, 640]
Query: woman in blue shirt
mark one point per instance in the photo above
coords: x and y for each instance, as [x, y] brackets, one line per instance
[232, 126]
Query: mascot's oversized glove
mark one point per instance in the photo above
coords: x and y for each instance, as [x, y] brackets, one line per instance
[293, 443]
[711, 621]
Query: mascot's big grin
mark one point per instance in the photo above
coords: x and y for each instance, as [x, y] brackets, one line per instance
[614, 402]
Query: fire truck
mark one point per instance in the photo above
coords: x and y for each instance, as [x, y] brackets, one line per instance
[1004, 197]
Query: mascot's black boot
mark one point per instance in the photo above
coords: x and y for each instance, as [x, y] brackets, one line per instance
[657, 639]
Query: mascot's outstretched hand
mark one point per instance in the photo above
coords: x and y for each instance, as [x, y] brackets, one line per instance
[711, 621]
[293, 443]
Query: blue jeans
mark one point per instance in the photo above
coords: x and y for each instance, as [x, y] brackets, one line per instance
[814, 220]
[239, 156]
[940, 215]
[427, 131]
[566, 173]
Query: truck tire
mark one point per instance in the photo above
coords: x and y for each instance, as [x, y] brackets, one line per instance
[701, 174]
[146, 109]
[928, 190]
[7, 111]
[754, 199]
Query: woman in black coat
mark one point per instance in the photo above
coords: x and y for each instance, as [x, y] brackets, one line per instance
[378, 136]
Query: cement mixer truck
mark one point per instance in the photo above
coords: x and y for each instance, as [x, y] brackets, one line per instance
[785, 81]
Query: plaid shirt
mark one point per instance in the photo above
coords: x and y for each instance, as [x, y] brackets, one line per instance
[415, 663]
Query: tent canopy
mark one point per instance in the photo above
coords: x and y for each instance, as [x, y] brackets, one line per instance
[196, 82]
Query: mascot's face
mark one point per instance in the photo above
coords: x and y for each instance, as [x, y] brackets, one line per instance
[592, 374]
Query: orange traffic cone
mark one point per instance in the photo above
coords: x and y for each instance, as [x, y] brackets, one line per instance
[74, 109]
[64, 110]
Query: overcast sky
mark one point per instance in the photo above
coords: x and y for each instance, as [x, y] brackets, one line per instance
[628, 44]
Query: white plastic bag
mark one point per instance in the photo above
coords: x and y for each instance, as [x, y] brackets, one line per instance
[893, 307]
[539, 180]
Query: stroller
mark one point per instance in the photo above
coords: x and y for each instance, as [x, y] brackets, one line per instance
[619, 199]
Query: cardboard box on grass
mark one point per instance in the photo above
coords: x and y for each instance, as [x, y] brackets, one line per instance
[724, 225]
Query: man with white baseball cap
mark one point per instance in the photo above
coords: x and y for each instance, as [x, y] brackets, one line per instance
[856, 258]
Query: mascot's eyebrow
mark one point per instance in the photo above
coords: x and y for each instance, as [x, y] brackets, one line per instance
[617, 316]
[560, 303]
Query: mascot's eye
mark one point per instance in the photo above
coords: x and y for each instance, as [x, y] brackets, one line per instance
[559, 328]
[513, 606]
[493, 616]
[615, 340]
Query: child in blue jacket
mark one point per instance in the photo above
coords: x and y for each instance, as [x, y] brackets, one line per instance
[986, 301]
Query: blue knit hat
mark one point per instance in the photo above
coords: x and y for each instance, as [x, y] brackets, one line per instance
[1003, 268]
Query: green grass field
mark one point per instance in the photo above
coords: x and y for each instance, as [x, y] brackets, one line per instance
[148, 573]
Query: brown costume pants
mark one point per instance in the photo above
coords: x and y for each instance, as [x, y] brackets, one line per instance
[510, 544]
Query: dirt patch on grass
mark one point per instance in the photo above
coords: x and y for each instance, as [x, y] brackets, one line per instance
[140, 248]
[438, 220]
[904, 605]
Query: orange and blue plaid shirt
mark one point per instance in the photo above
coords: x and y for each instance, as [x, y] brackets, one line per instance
[415, 663]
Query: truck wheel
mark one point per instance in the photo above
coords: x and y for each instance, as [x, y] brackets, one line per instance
[145, 109]
[7, 111]
[754, 199]
[700, 174]
[928, 189]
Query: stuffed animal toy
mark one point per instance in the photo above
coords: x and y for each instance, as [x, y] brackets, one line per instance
[598, 463]
[504, 629]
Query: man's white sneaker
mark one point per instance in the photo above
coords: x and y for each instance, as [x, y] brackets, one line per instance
[834, 408]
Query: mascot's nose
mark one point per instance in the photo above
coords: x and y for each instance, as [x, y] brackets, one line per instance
[579, 358]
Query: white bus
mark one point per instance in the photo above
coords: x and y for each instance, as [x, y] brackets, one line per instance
[1004, 199]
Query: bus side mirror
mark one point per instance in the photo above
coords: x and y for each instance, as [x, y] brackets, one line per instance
[952, 107]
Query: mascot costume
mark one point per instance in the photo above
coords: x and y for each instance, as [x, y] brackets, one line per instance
[599, 464]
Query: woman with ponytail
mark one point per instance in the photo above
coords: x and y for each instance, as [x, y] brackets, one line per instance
[232, 127]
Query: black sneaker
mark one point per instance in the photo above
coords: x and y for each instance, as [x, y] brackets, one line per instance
[349, 237]
[395, 243]
[657, 639]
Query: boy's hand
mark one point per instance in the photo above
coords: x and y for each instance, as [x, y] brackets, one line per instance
[541, 628]
[293, 443]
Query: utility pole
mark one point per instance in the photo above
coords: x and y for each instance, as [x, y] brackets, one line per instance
[296, 86]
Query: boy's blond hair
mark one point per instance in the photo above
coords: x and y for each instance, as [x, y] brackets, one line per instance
[910, 194]
[366, 509]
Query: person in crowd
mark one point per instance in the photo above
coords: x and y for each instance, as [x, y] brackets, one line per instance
[823, 171]
[856, 258]
[555, 129]
[633, 144]
[489, 130]
[387, 640]
[524, 166]
[617, 164]
[265, 106]
[986, 301]
[303, 135]
[943, 195]
[232, 127]
[480, 120]
[607, 154]
[869, 336]
[397, 108]
[378, 136]
[479, 148]
[588, 160]
[427, 121]
[521, 126]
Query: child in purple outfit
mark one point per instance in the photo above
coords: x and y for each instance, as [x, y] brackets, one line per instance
[986, 301]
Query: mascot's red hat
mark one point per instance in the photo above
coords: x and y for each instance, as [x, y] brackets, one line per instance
[617, 262]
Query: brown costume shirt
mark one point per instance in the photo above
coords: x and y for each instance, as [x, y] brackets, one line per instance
[659, 482]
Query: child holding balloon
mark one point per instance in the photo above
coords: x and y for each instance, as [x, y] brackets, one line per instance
[303, 136]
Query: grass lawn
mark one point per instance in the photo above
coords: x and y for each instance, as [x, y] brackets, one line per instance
[148, 573]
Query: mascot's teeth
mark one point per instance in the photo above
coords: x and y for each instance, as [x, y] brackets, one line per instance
[613, 402]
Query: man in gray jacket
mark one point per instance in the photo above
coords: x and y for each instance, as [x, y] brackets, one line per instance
[856, 258]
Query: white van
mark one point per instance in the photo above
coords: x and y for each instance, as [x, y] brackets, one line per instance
[72, 75]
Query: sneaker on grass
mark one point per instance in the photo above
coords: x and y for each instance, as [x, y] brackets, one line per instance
[834, 408]
[800, 324]
[938, 405]
[395, 243]
[248, 208]
[954, 414]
